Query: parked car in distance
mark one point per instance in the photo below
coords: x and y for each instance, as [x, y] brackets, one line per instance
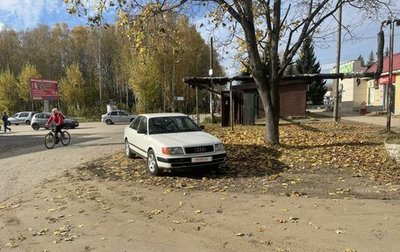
[172, 141]
[39, 121]
[23, 117]
[117, 116]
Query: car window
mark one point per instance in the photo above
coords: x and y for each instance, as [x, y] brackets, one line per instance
[15, 115]
[142, 124]
[47, 115]
[123, 113]
[135, 123]
[114, 113]
[162, 125]
[23, 114]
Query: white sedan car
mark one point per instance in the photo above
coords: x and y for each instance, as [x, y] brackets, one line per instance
[117, 116]
[172, 141]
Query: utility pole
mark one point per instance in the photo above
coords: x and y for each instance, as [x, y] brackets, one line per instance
[210, 73]
[173, 84]
[99, 67]
[389, 88]
[389, 84]
[339, 46]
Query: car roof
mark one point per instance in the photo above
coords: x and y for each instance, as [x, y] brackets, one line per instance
[153, 115]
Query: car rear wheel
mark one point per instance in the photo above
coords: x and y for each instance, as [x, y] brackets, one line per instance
[152, 166]
[128, 150]
[35, 126]
[28, 122]
[108, 122]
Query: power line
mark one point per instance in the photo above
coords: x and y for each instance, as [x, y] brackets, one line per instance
[356, 39]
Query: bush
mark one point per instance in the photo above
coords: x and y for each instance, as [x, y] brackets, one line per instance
[217, 119]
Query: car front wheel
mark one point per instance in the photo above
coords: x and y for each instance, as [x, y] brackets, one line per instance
[152, 166]
[108, 122]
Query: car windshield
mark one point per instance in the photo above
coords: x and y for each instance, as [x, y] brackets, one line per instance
[163, 125]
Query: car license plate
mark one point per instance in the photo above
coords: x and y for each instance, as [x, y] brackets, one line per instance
[201, 159]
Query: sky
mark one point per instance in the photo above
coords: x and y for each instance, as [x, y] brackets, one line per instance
[28, 14]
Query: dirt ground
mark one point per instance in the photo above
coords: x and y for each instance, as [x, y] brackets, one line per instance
[113, 205]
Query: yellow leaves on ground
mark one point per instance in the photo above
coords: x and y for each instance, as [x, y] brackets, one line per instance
[310, 145]
[313, 159]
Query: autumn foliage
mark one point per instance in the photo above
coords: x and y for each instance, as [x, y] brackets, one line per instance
[311, 155]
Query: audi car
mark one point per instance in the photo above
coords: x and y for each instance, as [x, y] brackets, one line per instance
[172, 141]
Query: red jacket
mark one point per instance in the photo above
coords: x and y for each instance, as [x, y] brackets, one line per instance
[57, 118]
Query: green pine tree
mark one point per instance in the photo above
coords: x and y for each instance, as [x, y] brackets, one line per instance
[307, 64]
[371, 59]
[290, 70]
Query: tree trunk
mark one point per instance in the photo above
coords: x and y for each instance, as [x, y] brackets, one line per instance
[271, 113]
[265, 72]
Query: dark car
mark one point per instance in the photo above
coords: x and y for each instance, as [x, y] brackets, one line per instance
[39, 121]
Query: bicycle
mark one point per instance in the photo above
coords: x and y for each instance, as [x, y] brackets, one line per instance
[50, 138]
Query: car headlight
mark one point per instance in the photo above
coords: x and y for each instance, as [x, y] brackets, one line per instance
[219, 147]
[172, 150]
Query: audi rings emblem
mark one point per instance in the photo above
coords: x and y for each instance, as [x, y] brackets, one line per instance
[200, 149]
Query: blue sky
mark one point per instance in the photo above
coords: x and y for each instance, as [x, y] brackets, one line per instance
[26, 14]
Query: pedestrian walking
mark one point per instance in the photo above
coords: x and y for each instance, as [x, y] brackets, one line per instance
[5, 122]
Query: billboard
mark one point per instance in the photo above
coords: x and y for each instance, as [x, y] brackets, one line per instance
[44, 89]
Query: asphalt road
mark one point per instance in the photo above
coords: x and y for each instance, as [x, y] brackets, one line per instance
[25, 162]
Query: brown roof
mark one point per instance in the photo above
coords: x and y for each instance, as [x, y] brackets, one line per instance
[396, 64]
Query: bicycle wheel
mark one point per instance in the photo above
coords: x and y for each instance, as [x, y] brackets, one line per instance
[49, 140]
[65, 138]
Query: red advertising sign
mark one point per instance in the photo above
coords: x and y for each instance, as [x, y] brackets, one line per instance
[385, 79]
[44, 89]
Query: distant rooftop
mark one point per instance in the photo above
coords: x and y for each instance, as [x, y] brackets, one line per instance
[396, 64]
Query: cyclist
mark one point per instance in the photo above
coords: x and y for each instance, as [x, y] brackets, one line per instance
[58, 118]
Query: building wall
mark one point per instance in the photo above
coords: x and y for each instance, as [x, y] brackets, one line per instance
[376, 97]
[360, 92]
[347, 98]
[353, 91]
[293, 100]
[292, 103]
[397, 95]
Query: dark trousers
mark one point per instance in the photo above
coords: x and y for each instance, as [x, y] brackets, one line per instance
[5, 126]
[58, 130]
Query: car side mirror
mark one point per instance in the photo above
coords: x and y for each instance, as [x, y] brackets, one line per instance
[202, 127]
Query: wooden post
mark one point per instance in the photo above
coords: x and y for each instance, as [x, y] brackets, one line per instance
[339, 44]
[231, 104]
[197, 106]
